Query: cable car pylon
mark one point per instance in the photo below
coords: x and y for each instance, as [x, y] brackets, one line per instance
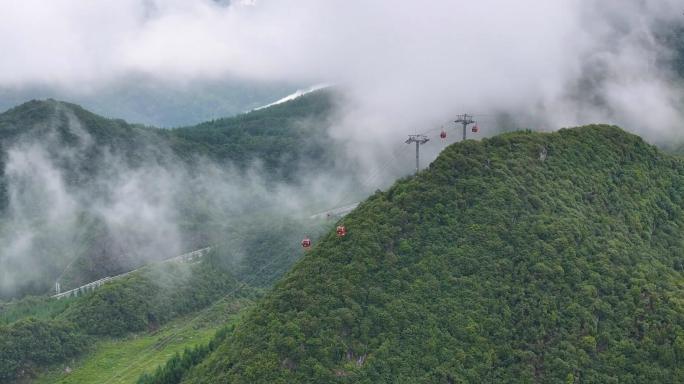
[466, 120]
[419, 140]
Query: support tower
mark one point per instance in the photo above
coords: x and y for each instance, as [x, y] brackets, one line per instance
[466, 120]
[419, 140]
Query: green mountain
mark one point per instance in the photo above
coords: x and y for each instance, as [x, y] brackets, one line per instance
[526, 257]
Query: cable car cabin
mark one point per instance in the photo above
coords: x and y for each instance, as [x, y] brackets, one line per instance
[306, 243]
[442, 135]
[341, 231]
[476, 129]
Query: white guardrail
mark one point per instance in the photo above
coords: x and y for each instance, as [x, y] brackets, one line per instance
[184, 258]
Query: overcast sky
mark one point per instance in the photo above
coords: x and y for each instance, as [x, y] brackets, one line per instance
[404, 63]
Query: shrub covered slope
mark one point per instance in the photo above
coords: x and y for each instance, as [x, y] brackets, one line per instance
[526, 257]
[141, 301]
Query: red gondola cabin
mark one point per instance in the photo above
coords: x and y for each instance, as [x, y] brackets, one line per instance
[341, 231]
[442, 135]
[476, 129]
[306, 243]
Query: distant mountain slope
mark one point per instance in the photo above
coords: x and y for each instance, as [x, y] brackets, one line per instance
[140, 99]
[526, 257]
[276, 135]
[281, 136]
[83, 197]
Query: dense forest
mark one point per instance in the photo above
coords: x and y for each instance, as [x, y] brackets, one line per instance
[525, 257]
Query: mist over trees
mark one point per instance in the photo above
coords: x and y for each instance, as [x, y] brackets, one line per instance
[85, 197]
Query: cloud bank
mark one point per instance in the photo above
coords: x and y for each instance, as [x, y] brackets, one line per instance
[405, 65]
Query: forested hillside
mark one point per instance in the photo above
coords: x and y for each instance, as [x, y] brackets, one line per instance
[526, 257]
[283, 137]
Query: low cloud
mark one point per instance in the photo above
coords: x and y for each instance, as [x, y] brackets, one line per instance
[405, 65]
[79, 211]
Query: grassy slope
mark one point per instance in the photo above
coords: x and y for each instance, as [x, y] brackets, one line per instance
[122, 361]
[48, 332]
[491, 266]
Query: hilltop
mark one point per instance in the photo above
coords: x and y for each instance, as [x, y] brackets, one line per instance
[526, 257]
